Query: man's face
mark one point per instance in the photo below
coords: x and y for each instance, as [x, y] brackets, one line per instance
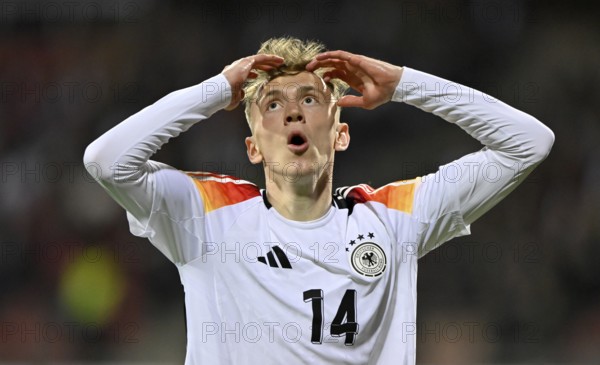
[296, 129]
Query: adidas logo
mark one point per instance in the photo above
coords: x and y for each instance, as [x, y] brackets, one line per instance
[284, 263]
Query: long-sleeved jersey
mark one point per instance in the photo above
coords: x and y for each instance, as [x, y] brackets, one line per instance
[260, 288]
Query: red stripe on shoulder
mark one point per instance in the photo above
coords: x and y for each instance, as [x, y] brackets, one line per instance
[218, 191]
[398, 195]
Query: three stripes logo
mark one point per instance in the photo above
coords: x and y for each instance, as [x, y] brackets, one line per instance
[270, 260]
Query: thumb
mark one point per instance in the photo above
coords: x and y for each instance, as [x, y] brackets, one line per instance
[351, 101]
[232, 106]
[236, 98]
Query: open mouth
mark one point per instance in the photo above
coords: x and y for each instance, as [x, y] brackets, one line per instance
[297, 142]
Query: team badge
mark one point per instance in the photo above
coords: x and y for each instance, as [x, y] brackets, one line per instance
[369, 259]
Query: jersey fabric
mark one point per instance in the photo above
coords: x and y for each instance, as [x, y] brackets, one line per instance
[260, 288]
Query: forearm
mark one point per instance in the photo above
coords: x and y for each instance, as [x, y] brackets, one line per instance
[456, 195]
[514, 135]
[119, 154]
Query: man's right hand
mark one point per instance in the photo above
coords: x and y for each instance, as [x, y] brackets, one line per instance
[240, 70]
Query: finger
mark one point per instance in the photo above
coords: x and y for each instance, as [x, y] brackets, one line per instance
[330, 63]
[232, 105]
[263, 67]
[348, 77]
[315, 64]
[334, 74]
[338, 55]
[267, 58]
[351, 101]
[250, 61]
[257, 61]
[272, 64]
[347, 57]
[236, 99]
[267, 64]
[337, 64]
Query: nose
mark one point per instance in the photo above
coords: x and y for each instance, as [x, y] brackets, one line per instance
[293, 113]
[294, 117]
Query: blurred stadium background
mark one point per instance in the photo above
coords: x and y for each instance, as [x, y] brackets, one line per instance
[77, 287]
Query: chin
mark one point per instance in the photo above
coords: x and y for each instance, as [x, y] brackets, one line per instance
[304, 170]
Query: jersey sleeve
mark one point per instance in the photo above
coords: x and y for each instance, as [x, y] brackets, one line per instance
[514, 143]
[162, 203]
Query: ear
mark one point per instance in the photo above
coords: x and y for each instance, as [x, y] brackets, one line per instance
[252, 150]
[342, 137]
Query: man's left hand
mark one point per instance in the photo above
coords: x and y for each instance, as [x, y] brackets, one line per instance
[374, 79]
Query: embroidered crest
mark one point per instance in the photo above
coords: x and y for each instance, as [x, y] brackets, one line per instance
[368, 259]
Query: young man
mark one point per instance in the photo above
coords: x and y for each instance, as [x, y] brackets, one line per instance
[299, 273]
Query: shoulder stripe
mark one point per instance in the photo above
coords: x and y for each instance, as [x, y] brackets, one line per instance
[218, 191]
[398, 195]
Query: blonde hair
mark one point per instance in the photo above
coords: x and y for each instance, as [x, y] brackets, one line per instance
[296, 54]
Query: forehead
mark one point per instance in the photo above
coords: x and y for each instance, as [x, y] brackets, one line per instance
[292, 83]
[288, 86]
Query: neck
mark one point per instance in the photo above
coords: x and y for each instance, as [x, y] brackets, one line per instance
[300, 200]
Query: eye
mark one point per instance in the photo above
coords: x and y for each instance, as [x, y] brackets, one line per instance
[272, 105]
[309, 100]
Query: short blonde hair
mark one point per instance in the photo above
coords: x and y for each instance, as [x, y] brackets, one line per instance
[296, 54]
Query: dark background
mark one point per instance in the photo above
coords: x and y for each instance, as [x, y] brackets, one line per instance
[75, 285]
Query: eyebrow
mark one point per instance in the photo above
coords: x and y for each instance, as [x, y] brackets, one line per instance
[302, 90]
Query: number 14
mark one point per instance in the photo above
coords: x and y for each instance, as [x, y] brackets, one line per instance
[346, 310]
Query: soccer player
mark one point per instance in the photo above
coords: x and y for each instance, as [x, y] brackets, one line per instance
[300, 273]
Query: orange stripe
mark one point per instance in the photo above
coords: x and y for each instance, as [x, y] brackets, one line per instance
[218, 194]
[399, 195]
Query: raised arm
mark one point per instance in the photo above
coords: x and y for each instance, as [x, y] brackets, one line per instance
[119, 159]
[120, 154]
[448, 201]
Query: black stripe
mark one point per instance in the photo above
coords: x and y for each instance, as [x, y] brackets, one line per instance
[283, 260]
[342, 202]
[262, 259]
[271, 259]
[268, 203]
[266, 200]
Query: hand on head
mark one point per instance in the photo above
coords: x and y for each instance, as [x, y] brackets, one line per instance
[241, 70]
[375, 80]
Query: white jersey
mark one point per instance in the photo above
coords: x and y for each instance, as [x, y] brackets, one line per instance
[260, 288]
